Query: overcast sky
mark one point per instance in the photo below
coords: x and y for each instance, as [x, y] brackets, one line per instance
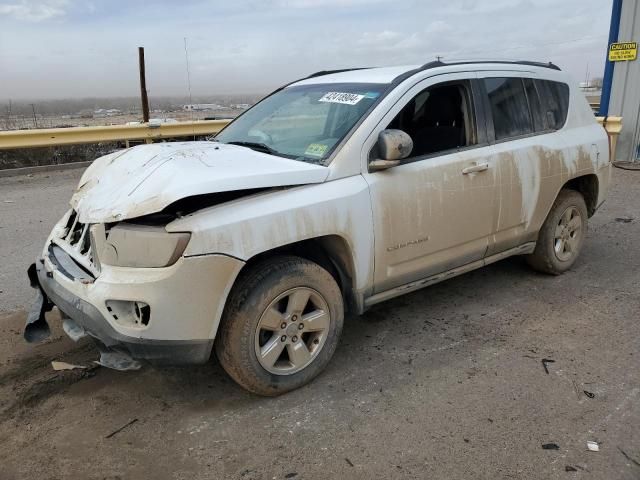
[88, 48]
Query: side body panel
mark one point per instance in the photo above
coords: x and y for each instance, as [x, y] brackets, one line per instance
[250, 226]
[531, 170]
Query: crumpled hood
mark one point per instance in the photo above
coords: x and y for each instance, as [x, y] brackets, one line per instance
[145, 179]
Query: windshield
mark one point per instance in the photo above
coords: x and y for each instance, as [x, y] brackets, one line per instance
[305, 122]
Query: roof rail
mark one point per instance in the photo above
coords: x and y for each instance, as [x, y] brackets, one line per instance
[322, 73]
[479, 62]
[438, 63]
[316, 74]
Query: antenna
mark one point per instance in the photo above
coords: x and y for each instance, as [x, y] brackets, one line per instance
[586, 77]
[186, 56]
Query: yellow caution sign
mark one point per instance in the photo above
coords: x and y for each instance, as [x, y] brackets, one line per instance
[623, 51]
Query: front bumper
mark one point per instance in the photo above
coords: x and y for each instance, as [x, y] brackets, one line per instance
[186, 302]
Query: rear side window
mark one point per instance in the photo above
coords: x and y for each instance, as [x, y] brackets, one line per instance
[535, 106]
[555, 102]
[509, 107]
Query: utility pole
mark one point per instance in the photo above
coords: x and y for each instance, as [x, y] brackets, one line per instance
[143, 87]
[186, 55]
[33, 109]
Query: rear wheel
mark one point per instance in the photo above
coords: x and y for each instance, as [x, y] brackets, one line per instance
[281, 325]
[562, 234]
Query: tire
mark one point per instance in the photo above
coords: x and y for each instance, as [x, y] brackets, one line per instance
[562, 235]
[252, 345]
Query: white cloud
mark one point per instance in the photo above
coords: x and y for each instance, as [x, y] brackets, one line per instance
[34, 10]
[256, 45]
[324, 3]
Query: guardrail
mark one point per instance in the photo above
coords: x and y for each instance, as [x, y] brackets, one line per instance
[51, 137]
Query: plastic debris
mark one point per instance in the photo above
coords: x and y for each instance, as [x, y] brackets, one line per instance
[117, 361]
[550, 446]
[589, 394]
[544, 364]
[593, 446]
[65, 366]
[569, 468]
[73, 330]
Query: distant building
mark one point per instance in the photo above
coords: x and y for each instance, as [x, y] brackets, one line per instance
[106, 112]
[201, 107]
[240, 106]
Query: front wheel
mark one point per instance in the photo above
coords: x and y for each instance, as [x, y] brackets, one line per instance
[281, 325]
[562, 235]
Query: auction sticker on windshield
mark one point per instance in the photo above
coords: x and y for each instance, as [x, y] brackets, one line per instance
[316, 150]
[344, 98]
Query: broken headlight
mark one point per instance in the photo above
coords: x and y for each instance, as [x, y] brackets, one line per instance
[142, 246]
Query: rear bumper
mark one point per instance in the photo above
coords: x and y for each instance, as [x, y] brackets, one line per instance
[182, 305]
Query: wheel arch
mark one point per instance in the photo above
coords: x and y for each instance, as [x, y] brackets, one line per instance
[588, 186]
[331, 252]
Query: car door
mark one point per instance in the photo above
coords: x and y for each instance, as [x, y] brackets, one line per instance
[525, 157]
[435, 211]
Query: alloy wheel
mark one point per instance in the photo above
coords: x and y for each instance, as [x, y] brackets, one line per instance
[568, 234]
[292, 331]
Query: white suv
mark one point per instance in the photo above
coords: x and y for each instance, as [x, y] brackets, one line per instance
[332, 194]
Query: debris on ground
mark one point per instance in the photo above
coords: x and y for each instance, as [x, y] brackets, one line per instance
[628, 457]
[349, 462]
[544, 364]
[575, 388]
[589, 394]
[65, 366]
[569, 468]
[550, 446]
[624, 219]
[128, 424]
[593, 446]
[117, 361]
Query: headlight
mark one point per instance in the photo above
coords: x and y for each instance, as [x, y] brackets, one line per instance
[130, 245]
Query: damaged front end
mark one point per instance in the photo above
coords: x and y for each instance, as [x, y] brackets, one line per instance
[37, 329]
[128, 286]
[120, 275]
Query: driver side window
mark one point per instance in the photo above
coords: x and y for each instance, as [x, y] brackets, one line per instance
[438, 119]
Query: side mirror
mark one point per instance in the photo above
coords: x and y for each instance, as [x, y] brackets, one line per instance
[393, 146]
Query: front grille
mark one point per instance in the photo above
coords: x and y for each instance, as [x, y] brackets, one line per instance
[75, 239]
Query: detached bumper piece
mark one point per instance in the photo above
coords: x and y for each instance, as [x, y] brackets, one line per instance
[81, 318]
[37, 329]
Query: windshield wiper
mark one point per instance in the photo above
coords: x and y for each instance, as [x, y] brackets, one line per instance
[260, 147]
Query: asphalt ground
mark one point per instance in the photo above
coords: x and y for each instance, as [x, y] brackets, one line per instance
[444, 383]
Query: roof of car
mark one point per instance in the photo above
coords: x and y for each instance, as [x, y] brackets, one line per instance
[385, 75]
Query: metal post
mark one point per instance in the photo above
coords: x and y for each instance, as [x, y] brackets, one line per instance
[143, 87]
[35, 121]
[614, 29]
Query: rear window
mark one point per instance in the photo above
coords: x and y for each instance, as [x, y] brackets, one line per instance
[509, 107]
[555, 102]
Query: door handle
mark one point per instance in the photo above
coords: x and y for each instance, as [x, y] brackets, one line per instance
[480, 167]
